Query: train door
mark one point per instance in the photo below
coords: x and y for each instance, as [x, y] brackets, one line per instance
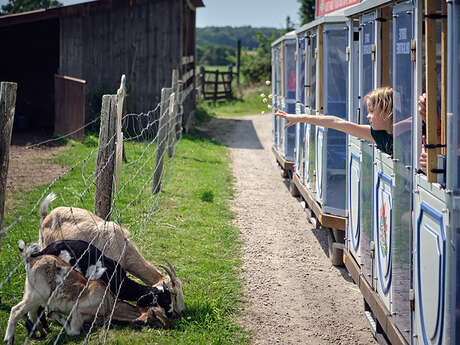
[354, 156]
[453, 167]
[331, 144]
[392, 184]
[275, 94]
[289, 84]
[363, 148]
[310, 101]
[300, 107]
[433, 240]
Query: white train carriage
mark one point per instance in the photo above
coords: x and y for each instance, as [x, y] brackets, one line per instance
[321, 89]
[276, 89]
[285, 46]
[435, 236]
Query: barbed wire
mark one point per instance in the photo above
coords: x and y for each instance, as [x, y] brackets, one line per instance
[131, 172]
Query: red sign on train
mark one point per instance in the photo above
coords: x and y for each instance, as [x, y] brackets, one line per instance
[327, 6]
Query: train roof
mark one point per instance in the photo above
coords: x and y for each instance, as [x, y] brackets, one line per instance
[291, 35]
[365, 6]
[321, 20]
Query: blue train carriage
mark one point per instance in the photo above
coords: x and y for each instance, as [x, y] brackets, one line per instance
[436, 224]
[323, 85]
[305, 103]
[299, 150]
[378, 256]
[276, 88]
[284, 152]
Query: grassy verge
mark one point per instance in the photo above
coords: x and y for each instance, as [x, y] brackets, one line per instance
[192, 227]
[248, 103]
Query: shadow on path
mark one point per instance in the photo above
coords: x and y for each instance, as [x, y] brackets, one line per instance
[220, 129]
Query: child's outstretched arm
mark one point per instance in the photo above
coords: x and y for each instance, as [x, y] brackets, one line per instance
[329, 121]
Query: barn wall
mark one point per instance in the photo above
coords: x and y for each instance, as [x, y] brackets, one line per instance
[142, 41]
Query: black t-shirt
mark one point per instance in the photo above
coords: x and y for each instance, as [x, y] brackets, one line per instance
[384, 141]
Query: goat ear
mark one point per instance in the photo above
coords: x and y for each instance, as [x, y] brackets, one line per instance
[21, 245]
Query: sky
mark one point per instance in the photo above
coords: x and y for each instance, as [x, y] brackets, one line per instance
[256, 13]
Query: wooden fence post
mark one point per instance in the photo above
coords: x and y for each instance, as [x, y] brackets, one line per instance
[216, 85]
[161, 139]
[230, 79]
[172, 114]
[179, 109]
[7, 106]
[121, 93]
[105, 157]
[203, 80]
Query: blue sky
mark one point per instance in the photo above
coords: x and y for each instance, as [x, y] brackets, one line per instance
[256, 13]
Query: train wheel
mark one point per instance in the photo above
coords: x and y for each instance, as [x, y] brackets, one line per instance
[293, 189]
[284, 173]
[335, 253]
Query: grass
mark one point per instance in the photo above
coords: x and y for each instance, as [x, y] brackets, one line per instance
[192, 227]
[249, 102]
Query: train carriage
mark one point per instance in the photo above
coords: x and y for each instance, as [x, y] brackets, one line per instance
[403, 226]
[321, 152]
[284, 49]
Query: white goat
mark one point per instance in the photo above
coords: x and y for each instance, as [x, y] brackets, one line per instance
[67, 223]
[51, 280]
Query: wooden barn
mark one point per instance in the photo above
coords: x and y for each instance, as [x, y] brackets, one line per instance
[65, 58]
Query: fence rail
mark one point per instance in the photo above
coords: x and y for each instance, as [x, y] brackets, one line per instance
[151, 165]
[216, 85]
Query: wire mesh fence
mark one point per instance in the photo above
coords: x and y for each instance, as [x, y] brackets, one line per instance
[138, 156]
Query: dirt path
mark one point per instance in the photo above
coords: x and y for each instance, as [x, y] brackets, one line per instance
[294, 294]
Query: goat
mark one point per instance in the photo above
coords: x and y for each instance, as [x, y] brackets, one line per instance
[48, 278]
[87, 259]
[79, 224]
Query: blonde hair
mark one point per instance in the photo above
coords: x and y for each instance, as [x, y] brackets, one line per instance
[382, 99]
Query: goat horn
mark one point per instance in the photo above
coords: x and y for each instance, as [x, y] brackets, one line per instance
[167, 270]
[172, 268]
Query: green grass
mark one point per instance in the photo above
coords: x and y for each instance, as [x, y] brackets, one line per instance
[250, 103]
[192, 227]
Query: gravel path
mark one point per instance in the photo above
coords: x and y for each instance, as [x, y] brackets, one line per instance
[294, 295]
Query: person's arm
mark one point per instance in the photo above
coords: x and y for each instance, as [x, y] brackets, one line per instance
[329, 121]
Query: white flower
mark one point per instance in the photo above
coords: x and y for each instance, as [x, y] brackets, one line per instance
[270, 96]
[262, 95]
[262, 113]
[268, 82]
[265, 100]
[269, 106]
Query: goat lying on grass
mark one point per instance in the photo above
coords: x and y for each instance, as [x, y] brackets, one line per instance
[67, 223]
[86, 259]
[50, 279]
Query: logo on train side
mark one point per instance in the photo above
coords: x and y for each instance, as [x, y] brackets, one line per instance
[384, 225]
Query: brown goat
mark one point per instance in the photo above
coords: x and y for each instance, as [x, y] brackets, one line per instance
[67, 223]
[51, 280]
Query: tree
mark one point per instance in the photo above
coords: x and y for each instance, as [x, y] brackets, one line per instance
[15, 6]
[289, 24]
[306, 11]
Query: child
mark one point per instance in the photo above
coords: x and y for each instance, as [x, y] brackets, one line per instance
[379, 103]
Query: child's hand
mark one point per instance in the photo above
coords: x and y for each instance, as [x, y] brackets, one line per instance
[422, 106]
[423, 156]
[292, 119]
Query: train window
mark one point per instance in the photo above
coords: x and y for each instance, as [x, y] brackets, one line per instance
[435, 82]
[290, 69]
[367, 46]
[386, 38]
[335, 71]
[403, 82]
[355, 56]
[313, 74]
[301, 67]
